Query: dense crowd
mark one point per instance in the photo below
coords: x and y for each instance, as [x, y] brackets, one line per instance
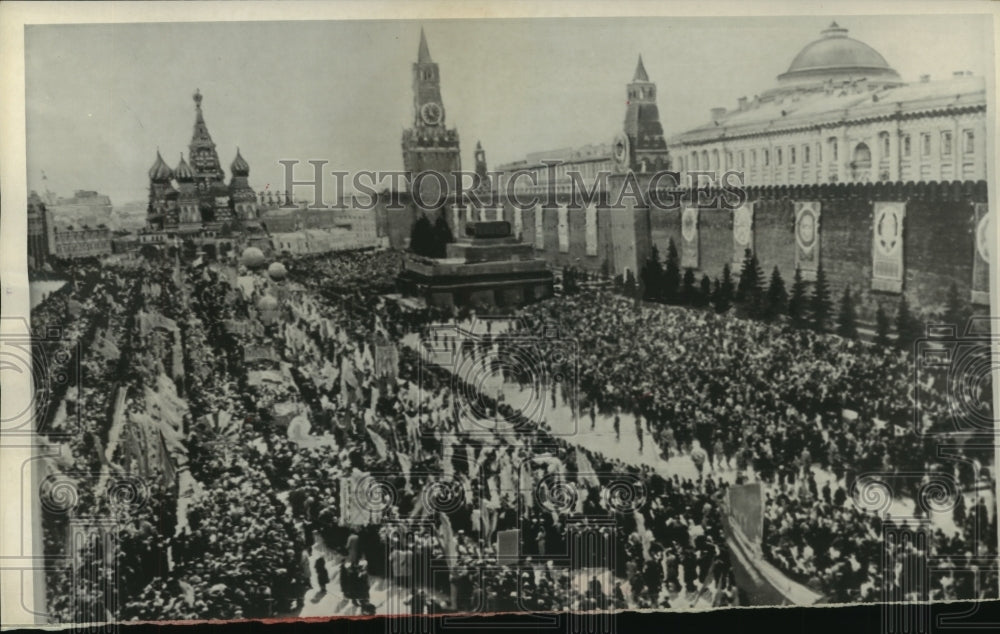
[284, 391]
[773, 402]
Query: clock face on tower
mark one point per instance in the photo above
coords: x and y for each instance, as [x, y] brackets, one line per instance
[431, 113]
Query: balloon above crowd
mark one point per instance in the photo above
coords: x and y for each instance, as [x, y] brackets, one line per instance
[277, 271]
[252, 258]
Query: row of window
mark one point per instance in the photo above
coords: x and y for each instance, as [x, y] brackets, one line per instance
[744, 158]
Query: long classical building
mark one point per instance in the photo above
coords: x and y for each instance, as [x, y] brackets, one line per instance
[839, 114]
[842, 114]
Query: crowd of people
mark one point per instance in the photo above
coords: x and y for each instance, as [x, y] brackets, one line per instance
[772, 403]
[315, 445]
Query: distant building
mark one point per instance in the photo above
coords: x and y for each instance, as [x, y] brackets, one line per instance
[83, 208]
[313, 241]
[841, 114]
[124, 242]
[279, 216]
[38, 231]
[70, 242]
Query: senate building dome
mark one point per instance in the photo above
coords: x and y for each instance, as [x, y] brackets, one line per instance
[835, 59]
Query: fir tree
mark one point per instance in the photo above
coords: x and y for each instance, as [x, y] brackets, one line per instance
[822, 306]
[907, 327]
[442, 236]
[847, 321]
[750, 288]
[688, 292]
[652, 276]
[797, 301]
[746, 276]
[777, 296]
[630, 286]
[702, 297]
[723, 296]
[422, 237]
[672, 274]
[881, 327]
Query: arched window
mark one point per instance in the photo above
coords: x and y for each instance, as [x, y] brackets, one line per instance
[861, 162]
[862, 155]
[715, 159]
[766, 157]
[805, 154]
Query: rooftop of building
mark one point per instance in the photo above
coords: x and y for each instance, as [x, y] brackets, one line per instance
[836, 78]
[835, 51]
[583, 153]
[851, 101]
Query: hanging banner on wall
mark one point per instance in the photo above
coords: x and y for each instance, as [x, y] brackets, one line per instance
[807, 216]
[887, 247]
[518, 222]
[689, 235]
[982, 256]
[590, 234]
[498, 214]
[742, 233]
[563, 229]
[454, 220]
[539, 232]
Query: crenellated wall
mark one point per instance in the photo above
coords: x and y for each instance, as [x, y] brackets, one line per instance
[938, 236]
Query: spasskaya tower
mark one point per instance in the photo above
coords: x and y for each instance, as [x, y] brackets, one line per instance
[429, 145]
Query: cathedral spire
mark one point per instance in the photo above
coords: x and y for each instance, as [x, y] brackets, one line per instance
[640, 72]
[201, 135]
[201, 151]
[424, 54]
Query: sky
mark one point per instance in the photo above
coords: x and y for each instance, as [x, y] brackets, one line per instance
[102, 98]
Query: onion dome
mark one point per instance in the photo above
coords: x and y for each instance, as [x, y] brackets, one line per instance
[239, 167]
[277, 271]
[160, 172]
[183, 171]
[252, 258]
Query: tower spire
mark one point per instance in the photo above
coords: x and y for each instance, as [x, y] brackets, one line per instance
[640, 71]
[424, 54]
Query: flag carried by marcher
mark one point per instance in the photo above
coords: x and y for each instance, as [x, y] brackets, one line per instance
[584, 471]
[379, 442]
